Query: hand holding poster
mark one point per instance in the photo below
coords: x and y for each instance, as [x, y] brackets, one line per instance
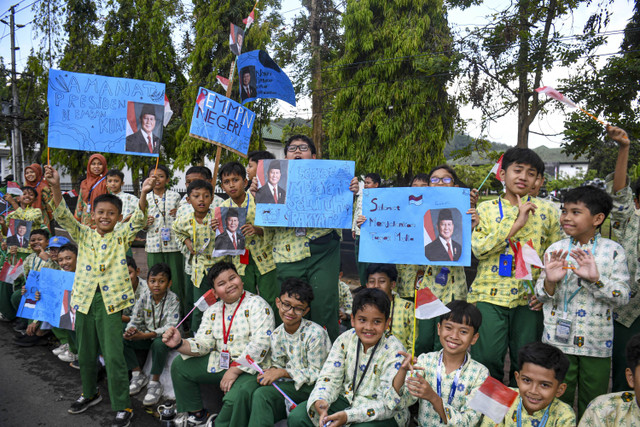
[105, 114]
[422, 226]
[229, 237]
[304, 193]
[52, 306]
[260, 77]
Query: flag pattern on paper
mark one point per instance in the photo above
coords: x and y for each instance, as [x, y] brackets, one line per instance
[493, 399]
[201, 98]
[168, 112]
[70, 193]
[497, 168]
[10, 273]
[553, 93]
[526, 257]
[132, 125]
[428, 305]
[13, 188]
[224, 82]
[415, 200]
[206, 300]
[429, 232]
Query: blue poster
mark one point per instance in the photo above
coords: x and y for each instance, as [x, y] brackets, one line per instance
[260, 77]
[304, 193]
[416, 225]
[53, 306]
[222, 121]
[105, 114]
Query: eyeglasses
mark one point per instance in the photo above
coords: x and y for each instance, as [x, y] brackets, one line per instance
[293, 148]
[285, 306]
[436, 180]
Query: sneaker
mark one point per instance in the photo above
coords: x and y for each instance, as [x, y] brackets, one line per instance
[123, 418]
[154, 393]
[67, 356]
[137, 383]
[75, 364]
[82, 404]
[61, 349]
[193, 421]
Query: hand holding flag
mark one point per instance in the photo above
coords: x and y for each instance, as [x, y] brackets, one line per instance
[248, 362]
[493, 399]
[495, 169]
[204, 302]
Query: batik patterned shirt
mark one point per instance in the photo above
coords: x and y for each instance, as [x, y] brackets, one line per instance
[138, 293]
[160, 209]
[34, 263]
[402, 314]
[345, 298]
[612, 410]
[151, 316]
[560, 415]
[408, 276]
[129, 203]
[455, 282]
[357, 210]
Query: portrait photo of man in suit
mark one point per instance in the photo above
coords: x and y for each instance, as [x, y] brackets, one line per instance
[235, 39]
[271, 192]
[248, 83]
[67, 313]
[444, 248]
[21, 236]
[231, 239]
[145, 140]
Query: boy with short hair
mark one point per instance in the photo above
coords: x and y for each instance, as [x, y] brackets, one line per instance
[621, 408]
[371, 180]
[115, 181]
[540, 385]
[101, 290]
[347, 395]
[299, 348]
[456, 375]
[254, 157]
[139, 286]
[67, 257]
[238, 325]
[154, 313]
[501, 298]
[345, 303]
[584, 278]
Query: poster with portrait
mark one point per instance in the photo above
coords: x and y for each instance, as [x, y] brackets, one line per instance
[416, 225]
[53, 305]
[18, 233]
[230, 239]
[272, 181]
[236, 38]
[144, 127]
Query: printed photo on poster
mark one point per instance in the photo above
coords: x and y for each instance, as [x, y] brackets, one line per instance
[236, 38]
[272, 181]
[248, 83]
[67, 313]
[229, 237]
[443, 234]
[144, 127]
[52, 306]
[18, 233]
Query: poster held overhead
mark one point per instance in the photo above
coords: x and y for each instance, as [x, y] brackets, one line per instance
[261, 77]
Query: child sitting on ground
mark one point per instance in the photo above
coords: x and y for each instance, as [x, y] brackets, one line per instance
[139, 286]
[67, 257]
[345, 303]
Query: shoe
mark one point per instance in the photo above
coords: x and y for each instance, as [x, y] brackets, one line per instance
[75, 364]
[67, 356]
[137, 383]
[32, 340]
[61, 349]
[3, 318]
[123, 418]
[154, 393]
[82, 404]
[21, 326]
[193, 421]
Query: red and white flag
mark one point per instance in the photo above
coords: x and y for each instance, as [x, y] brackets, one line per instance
[223, 81]
[202, 96]
[249, 19]
[13, 188]
[526, 256]
[429, 232]
[70, 193]
[206, 300]
[168, 112]
[493, 399]
[428, 305]
[10, 273]
[132, 125]
[497, 168]
[551, 92]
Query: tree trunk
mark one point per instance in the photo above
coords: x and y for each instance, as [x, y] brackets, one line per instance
[316, 76]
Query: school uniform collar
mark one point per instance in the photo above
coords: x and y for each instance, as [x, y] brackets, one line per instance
[538, 414]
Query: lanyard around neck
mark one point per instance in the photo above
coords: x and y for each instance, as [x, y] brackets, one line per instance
[153, 311]
[366, 368]
[456, 379]
[567, 301]
[226, 332]
[543, 420]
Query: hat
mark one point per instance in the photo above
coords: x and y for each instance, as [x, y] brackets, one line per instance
[274, 164]
[445, 215]
[148, 109]
[58, 241]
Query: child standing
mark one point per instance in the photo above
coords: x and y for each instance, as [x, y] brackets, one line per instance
[579, 293]
[371, 180]
[115, 181]
[26, 212]
[94, 185]
[67, 257]
[33, 178]
[139, 286]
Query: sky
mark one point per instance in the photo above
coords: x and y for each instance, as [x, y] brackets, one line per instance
[503, 130]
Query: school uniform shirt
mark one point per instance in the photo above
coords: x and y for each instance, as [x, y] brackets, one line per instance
[625, 222]
[375, 399]
[28, 214]
[591, 310]
[159, 208]
[345, 298]
[129, 203]
[455, 287]
[151, 316]
[488, 242]
[402, 314]
[472, 375]
[250, 333]
[260, 250]
[302, 353]
[34, 263]
[560, 415]
[288, 247]
[102, 262]
[408, 276]
[140, 290]
[612, 410]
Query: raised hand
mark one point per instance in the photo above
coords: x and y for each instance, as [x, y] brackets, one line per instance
[587, 268]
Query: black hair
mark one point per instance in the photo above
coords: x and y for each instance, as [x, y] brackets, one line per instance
[545, 355]
[131, 262]
[42, 231]
[116, 172]
[232, 212]
[303, 138]
[160, 268]
[201, 170]
[71, 248]
[298, 289]
[198, 184]
[232, 168]
[633, 353]
[33, 190]
[464, 313]
[217, 269]
[389, 269]
[374, 177]
[256, 156]
[525, 156]
[163, 168]
[420, 177]
[108, 198]
[595, 199]
[373, 297]
[452, 172]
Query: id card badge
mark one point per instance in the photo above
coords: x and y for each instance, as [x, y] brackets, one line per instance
[563, 330]
[301, 231]
[89, 208]
[224, 359]
[165, 234]
[506, 262]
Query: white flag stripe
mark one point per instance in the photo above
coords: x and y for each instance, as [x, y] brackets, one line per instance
[489, 407]
[431, 310]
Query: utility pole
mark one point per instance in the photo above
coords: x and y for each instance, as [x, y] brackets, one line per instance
[16, 135]
[316, 77]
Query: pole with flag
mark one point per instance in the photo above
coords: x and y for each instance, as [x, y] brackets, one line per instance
[427, 306]
[495, 169]
[555, 94]
[204, 302]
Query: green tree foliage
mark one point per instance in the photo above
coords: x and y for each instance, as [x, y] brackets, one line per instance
[391, 111]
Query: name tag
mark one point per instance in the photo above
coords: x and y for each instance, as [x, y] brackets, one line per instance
[563, 330]
[165, 234]
[506, 262]
[224, 359]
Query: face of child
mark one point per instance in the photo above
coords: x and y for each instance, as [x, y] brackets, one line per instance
[291, 310]
[158, 285]
[38, 242]
[536, 186]
[234, 185]
[381, 281]
[274, 176]
[419, 183]
[106, 216]
[519, 178]
[27, 197]
[445, 228]
[53, 253]
[161, 179]
[456, 338]
[133, 274]
[440, 176]
[96, 167]
[633, 379]
[369, 183]
[228, 286]
[252, 168]
[370, 324]
[114, 184]
[298, 153]
[188, 179]
[538, 386]
[577, 221]
[29, 174]
[232, 223]
[200, 199]
[67, 260]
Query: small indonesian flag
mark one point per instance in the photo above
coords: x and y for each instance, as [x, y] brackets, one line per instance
[415, 200]
[206, 300]
[497, 168]
[248, 362]
[13, 188]
[428, 305]
[551, 92]
[168, 112]
[526, 256]
[223, 81]
[10, 273]
[70, 193]
[493, 399]
[249, 19]
[201, 98]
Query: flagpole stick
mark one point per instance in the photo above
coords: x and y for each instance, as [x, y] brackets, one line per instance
[485, 180]
[232, 70]
[415, 321]
[48, 158]
[157, 161]
[185, 317]
[592, 116]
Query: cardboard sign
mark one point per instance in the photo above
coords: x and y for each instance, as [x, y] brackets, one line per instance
[229, 237]
[55, 287]
[261, 77]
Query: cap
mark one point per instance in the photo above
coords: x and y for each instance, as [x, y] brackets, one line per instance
[58, 241]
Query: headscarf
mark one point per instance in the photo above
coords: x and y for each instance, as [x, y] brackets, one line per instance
[91, 180]
[39, 184]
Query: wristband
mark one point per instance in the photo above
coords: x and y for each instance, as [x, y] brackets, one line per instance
[178, 346]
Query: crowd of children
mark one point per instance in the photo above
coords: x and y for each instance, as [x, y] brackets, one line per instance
[288, 340]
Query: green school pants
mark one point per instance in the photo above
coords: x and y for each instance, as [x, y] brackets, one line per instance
[98, 330]
[159, 353]
[427, 339]
[267, 404]
[299, 417]
[621, 336]
[196, 316]
[362, 266]
[187, 375]
[16, 296]
[66, 336]
[186, 304]
[589, 376]
[175, 260]
[321, 270]
[265, 285]
[505, 329]
[6, 308]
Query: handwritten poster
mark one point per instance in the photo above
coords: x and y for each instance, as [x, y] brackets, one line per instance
[308, 193]
[105, 114]
[421, 226]
[54, 286]
[261, 77]
[222, 121]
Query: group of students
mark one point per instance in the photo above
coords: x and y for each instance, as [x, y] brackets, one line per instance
[282, 307]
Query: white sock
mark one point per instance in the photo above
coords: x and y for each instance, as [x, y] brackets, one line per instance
[135, 373]
[153, 382]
